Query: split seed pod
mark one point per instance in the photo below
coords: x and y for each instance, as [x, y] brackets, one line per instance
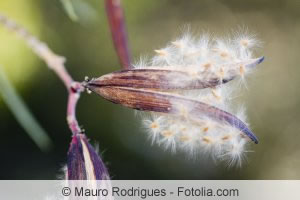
[138, 89]
[184, 89]
[84, 163]
[166, 78]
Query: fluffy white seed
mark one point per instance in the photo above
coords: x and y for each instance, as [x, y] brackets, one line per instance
[203, 59]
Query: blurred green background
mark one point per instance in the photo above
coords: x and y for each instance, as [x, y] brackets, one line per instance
[272, 97]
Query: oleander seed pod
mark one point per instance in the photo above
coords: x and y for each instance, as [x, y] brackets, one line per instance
[185, 91]
[166, 78]
[83, 161]
[154, 101]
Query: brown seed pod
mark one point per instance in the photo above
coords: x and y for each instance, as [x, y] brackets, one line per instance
[155, 79]
[155, 101]
[166, 79]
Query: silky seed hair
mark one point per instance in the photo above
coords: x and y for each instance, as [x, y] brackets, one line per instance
[204, 59]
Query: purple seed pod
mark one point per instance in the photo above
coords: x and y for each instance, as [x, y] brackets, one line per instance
[83, 161]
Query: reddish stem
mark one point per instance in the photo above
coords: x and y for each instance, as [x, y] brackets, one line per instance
[74, 89]
[74, 94]
[117, 25]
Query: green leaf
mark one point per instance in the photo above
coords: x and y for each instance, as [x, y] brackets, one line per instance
[23, 114]
[69, 8]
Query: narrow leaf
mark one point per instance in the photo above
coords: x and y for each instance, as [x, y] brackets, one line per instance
[69, 8]
[22, 114]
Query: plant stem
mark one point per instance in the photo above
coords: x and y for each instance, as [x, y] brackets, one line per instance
[54, 62]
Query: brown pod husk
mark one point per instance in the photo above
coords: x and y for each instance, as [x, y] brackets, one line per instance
[148, 100]
[165, 79]
[155, 79]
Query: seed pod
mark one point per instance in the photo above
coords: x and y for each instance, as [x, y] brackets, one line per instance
[166, 78]
[147, 100]
[83, 161]
[183, 89]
